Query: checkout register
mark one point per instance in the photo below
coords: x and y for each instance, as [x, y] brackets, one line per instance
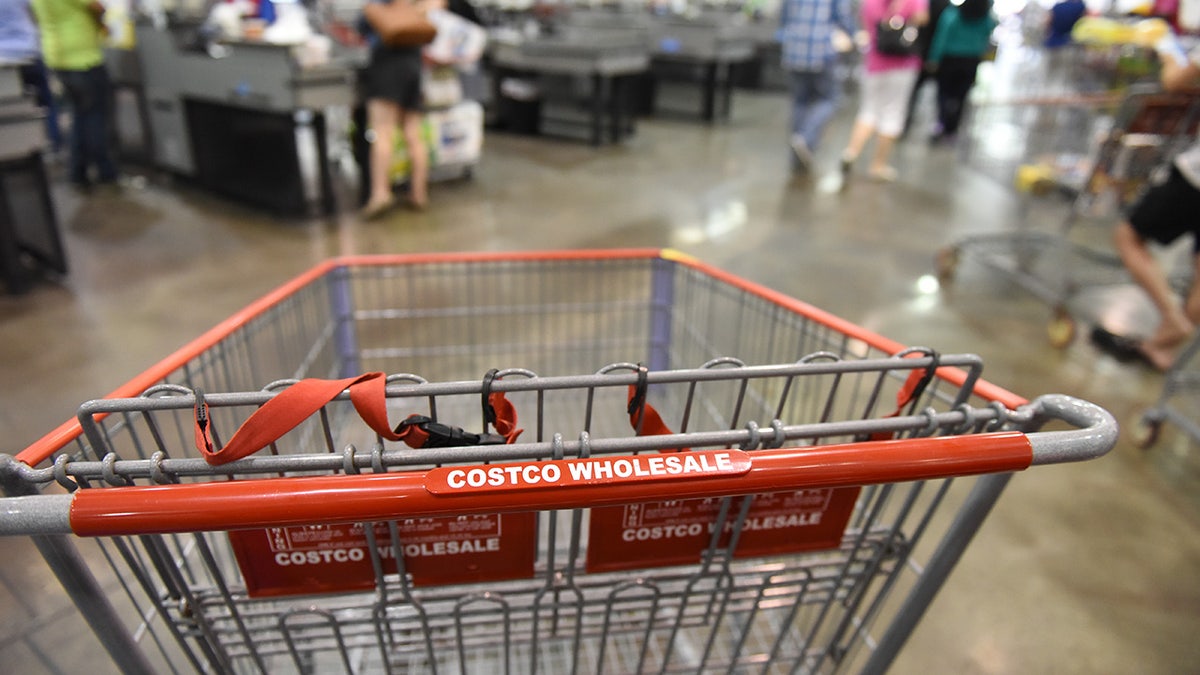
[239, 105]
[29, 237]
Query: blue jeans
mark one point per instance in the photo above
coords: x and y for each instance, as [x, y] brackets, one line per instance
[89, 94]
[34, 76]
[815, 98]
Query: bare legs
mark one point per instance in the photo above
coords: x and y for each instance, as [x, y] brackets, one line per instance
[1177, 322]
[859, 136]
[418, 158]
[383, 118]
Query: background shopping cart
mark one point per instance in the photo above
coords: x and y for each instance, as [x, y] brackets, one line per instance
[569, 328]
[1095, 154]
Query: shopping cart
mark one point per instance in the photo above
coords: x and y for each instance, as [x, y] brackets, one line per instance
[582, 509]
[1023, 67]
[1096, 153]
[1178, 401]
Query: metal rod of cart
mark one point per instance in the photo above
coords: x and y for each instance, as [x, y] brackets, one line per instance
[703, 475]
[1095, 152]
[1177, 402]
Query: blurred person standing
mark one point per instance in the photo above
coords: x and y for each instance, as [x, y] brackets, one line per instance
[925, 39]
[19, 43]
[73, 33]
[962, 37]
[392, 88]
[887, 82]
[806, 35]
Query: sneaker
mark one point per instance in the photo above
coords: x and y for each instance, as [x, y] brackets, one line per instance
[801, 154]
[884, 174]
[943, 138]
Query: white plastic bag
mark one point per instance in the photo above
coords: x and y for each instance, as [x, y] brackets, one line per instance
[458, 42]
[440, 86]
[459, 133]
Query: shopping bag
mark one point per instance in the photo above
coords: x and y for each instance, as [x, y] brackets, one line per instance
[896, 37]
[440, 87]
[458, 42]
[401, 158]
[400, 23]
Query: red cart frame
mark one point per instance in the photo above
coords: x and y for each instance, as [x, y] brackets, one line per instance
[710, 476]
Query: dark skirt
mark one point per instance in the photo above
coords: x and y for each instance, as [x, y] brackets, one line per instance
[394, 74]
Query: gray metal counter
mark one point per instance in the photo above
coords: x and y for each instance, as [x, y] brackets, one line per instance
[203, 111]
[29, 237]
[703, 39]
[714, 43]
[711, 42]
[606, 58]
[583, 56]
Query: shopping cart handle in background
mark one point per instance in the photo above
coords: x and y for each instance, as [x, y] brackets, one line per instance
[558, 484]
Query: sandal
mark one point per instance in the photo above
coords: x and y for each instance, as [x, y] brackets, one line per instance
[374, 210]
[884, 174]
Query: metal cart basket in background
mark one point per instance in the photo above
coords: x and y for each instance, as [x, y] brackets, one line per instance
[590, 513]
[1098, 152]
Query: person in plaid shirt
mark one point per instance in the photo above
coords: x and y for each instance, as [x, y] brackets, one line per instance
[806, 36]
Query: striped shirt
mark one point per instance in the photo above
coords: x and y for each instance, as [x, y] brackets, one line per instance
[806, 31]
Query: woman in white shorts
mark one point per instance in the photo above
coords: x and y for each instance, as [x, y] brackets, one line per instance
[885, 88]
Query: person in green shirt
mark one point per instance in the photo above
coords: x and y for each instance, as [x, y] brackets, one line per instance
[73, 33]
[963, 35]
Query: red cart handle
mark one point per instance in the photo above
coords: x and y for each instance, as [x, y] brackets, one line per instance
[298, 402]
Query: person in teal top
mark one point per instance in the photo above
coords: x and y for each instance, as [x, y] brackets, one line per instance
[962, 37]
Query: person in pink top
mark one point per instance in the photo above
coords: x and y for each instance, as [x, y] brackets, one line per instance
[886, 84]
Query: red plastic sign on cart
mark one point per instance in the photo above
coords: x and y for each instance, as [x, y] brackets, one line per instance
[659, 534]
[305, 560]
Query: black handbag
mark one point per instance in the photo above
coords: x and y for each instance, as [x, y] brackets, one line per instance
[894, 36]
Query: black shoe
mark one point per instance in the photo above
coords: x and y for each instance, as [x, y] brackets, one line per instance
[1119, 347]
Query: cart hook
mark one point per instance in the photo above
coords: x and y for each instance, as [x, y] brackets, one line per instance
[203, 433]
[753, 441]
[637, 402]
[914, 395]
[489, 411]
[60, 473]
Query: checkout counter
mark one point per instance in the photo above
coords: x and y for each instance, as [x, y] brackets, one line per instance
[634, 61]
[605, 60]
[704, 49]
[765, 71]
[251, 124]
[29, 236]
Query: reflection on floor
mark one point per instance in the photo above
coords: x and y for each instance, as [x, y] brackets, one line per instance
[1081, 569]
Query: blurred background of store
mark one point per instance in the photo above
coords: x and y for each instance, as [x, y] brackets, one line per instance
[611, 126]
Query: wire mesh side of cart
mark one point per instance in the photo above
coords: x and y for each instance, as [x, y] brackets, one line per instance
[1096, 154]
[1033, 71]
[440, 324]
[1056, 132]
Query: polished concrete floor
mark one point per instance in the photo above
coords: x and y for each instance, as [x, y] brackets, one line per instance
[1089, 568]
